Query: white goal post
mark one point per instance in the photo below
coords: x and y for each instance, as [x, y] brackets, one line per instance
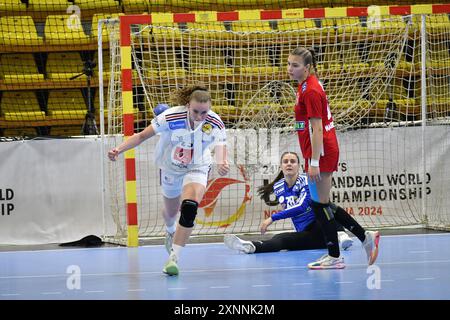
[386, 76]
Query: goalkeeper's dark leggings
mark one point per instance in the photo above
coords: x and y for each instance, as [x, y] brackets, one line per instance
[309, 239]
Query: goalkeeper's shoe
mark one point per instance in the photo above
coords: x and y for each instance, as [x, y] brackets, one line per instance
[234, 243]
[327, 262]
[370, 244]
[171, 267]
[344, 240]
[168, 241]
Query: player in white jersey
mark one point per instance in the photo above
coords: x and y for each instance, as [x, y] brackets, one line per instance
[187, 133]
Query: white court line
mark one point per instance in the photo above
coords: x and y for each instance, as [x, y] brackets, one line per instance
[37, 251]
[10, 294]
[176, 288]
[352, 266]
[50, 292]
[133, 290]
[387, 280]
[94, 291]
[301, 283]
[425, 251]
[343, 282]
[261, 285]
[220, 287]
[423, 279]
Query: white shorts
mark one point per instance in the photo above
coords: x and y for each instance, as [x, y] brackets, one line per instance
[172, 183]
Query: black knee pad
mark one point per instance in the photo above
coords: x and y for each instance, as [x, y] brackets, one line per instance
[322, 211]
[188, 213]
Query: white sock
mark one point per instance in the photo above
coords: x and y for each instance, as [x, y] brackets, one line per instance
[172, 228]
[176, 249]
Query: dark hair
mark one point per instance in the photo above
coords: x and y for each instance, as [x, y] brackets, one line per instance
[266, 190]
[308, 56]
[198, 92]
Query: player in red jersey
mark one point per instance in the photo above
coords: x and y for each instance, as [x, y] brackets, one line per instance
[320, 149]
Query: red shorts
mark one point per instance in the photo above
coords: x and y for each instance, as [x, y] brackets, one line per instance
[328, 163]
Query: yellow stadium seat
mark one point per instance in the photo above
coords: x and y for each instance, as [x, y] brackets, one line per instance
[350, 26]
[162, 32]
[328, 22]
[141, 6]
[65, 29]
[379, 58]
[19, 31]
[19, 68]
[21, 105]
[99, 5]
[208, 61]
[390, 25]
[65, 131]
[49, 5]
[162, 64]
[66, 105]
[438, 23]
[438, 57]
[351, 58]
[304, 28]
[181, 5]
[224, 110]
[12, 6]
[94, 27]
[253, 29]
[209, 30]
[137, 6]
[254, 61]
[20, 132]
[407, 107]
[64, 65]
[435, 24]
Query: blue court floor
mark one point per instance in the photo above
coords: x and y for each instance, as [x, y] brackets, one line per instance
[408, 267]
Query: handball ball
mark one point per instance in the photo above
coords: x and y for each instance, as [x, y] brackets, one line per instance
[160, 108]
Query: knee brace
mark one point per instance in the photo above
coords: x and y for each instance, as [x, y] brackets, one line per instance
[322, 211]
[188, 213]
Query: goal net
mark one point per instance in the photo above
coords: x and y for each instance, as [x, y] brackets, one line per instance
[393, 165]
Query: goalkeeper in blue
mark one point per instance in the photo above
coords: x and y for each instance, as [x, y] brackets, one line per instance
[292, 192]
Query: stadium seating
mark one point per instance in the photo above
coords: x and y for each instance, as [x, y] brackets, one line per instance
[61, 66]
[27, 110]
[66, 105]
[19, 69]
[94, 26]
[19, 31]
[65, 29]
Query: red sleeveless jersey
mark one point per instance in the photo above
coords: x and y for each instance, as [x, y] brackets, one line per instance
[312, 102]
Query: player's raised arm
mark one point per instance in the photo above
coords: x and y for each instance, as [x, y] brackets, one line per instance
[132, 142]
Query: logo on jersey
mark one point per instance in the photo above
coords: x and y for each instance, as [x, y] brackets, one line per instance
[207, 128]
[304, 87]
[180, 124]
[299, 125]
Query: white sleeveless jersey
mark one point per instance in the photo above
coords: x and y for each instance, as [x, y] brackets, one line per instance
[180, 148]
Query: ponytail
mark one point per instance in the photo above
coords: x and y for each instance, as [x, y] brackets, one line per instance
[266, 190]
